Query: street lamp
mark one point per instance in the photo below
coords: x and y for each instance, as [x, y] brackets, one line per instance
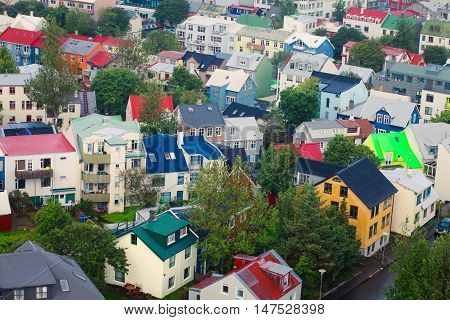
[322, 271]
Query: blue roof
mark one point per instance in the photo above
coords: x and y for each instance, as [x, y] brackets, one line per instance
[198, 145]
[158, 145]
[335, 83]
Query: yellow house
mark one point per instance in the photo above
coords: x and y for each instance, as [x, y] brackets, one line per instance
[260, 40]
[370, 199]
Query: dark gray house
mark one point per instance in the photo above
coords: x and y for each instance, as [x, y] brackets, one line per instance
[31, 273]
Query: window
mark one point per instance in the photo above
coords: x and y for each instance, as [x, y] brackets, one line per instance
[343, 192]
[12, 90]
[19, 294]
[183, 232]
[374, 211]
[45, 182]
[187, 252]
[239, 294]
[428, 111]
[383, 223]
[201, 132]
[375, 228]
[165, 197]
[192, 132]
[386, 119]
[379, 118]
[46, 163]
[225, 289]
[327, 188]
[232, 131]
[12, 105]
[196, 160]
[218, 131]
[135, 163]
[20, 184]
[253, 145]
[169, 155]
[171, 282]
[134, 144]
[151, 157]
[417, 217]
[230, 100]
[180, 179]
[430, 98]
[419, 199]
[159, 180]
[41, 292]
[133, 239]
[353, 212]
[172, 261]
[171, 238]
[20, 165]
[209, 132]
[193, 176]
[187, 273]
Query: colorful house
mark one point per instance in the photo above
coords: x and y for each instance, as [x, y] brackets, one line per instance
[309, 150]
[389, 25]
[309, 43]
[78, 52]
[203, 65]
[369, 197]
[25, 46]
[134, 106]
[266, 277]
[243, 132]
[393, 150]
[161, 253]
[368, 22]
[313, 171]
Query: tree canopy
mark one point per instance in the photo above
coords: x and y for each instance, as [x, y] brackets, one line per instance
[81, 22]
[278, 58]
[185, 87]
[342, 150]
[436, 55]
[341, 37]
[172, 11]
[7, 63]
[367, 54]
[339, 11]
[404, 38]
[287, 7]
[160, 40]
[113, 22]
[132, 56]
[138, 188]
[444, 116]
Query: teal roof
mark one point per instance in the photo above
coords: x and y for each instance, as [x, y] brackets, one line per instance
[254, 21]
[154, 235]
[391, 21]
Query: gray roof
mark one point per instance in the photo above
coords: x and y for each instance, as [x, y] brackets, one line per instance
[252, 60]
[200, 116]
[431, 71]
[364, 73]
[76, 46]
[31, 266]
[430, 135]
[14, 79]
[414, 180]
[316, 61]
[88, 103]
[322, 124]
[264, 33]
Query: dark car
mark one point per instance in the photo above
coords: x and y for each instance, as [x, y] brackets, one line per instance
[443, 227]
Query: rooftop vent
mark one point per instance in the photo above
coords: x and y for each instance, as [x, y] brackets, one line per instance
[190, 110]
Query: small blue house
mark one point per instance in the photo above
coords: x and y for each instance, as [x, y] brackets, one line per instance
[225, 87]
[25, 46]
[387, 114]
[306, 42]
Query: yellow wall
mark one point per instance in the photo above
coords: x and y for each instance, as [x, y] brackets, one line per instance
[244, 40]
[364, 221]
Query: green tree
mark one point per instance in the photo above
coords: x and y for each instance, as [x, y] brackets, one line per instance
[7, 64]
[313, 238]
[182, 78]
[277, 169]
[112, 87]
[58, 14]
[81, 22]
[86, 207]
[300, 103]
[132, 56]
[51, 217]
[182, 96]
[25, 7]
[287, 7]
[231, 215]
[367, 54]
[321, 32]
[422, 270]
[341, 37]
[405, 35]
[113, 22]
[160, 40]
[172, 11]
[138, 187]
[342, 150]
[20, 202]
[436, 55]
[279, 58]
[444, 116]
[339, 11]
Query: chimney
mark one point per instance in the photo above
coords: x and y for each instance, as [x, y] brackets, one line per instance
[31, 14]
[180, 136]
[76, 32]
[90, 39]
[362, 10]
[152, 216]
[199, 102]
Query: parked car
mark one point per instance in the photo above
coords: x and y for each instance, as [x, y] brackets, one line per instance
[443, 227]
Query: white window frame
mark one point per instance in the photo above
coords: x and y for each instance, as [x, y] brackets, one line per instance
[237, 296]
[170, 238]
[183, 232]
[41, 292]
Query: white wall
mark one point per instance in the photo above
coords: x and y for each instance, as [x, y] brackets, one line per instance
[442, 181]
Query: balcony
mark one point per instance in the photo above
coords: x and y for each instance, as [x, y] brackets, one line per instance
[95, 197]
[97, 158]
[100, 177]
[254, 46]
[34, 174]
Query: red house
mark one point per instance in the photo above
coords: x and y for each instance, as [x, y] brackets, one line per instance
[134, 106]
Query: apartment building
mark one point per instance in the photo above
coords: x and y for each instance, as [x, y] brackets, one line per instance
[92, 7]
[367, 21]
[38, 165]
[435, 33]
[300, 23]
[315, 8]
[244, 133]
[106, 147]
[25, 46]
[207, 35]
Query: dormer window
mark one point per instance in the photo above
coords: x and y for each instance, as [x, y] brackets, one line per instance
[379, 118]
[183, 232]
[386, 119]
[169, 155]
[151, 157]
[171, 239]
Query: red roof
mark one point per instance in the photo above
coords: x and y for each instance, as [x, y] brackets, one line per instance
[252, 9]
[171, 55]
[20, 36]
[392, 51]
[100, 59]
[35, 144]
[365, 128]
[416, 59]
[308, 150]
[106, 41]
[366, 13]
[135, 103]
[262, 275]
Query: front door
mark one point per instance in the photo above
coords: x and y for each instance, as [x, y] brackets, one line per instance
[28, 118]
[180, 195]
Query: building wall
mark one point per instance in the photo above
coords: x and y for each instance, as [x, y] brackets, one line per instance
[268, 48]
[147, 271]
[214, 138]
[79, 61]
[369, 29]
[263, 79]
[171, 185]
[432, 104]
[23, 55]
[214, 291]
[429, 40]
[442, 181]
[91, 7]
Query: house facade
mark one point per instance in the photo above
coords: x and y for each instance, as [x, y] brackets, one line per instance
[244, 133]
[25, 46]
[91, 7]
[435, 33]
[106, 147]
[415, 201]
[203, 65]
[369, 212]
[432, 104]
[77, 52]
[309, 43]
[225, 87]
[266, 277]
[37, 165]
[442, 183]
[161, 253]
[367, 21]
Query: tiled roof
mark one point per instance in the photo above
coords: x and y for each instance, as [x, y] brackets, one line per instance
[160, 144]
[377, 16]
[100, 59]
[25, 37]
[35, 144]
[135, 103]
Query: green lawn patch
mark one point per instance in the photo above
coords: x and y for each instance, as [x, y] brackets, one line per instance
[11, 240]
[182, 293]
[127, 215]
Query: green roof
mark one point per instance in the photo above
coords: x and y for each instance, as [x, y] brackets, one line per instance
[154, 235]
[397, 144]
[436, 28]
[118, 118]
[391, 21]
[254, 21]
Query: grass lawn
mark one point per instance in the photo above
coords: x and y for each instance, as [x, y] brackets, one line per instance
[180, 294]
[127, 215]
[11, 240]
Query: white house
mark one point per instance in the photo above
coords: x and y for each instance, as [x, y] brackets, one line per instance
[435, 33]
[39, 165]
[300, 23]
[442, 180]
[367, 21]
[432, 104]
[161, 253]
[266, 277]
[415, 201]
[244, 133]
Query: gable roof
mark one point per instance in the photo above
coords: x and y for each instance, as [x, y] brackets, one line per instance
[20, 36]
[413, 180]
[160, 144]
[367, 182]
[79, 47]
[253, 60]
[171, 55]
[241, 110]
[316, 61]
[310, 40]
[428, 135]
[27, 22]
[204, 60]
[200, 116]
[264, 33]
[35, 144]
[234, 80]
[135, 103]
[377, 16]
[335, 83]
[365, 74]
[100, 59]
[317, 168]
[31, 266]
